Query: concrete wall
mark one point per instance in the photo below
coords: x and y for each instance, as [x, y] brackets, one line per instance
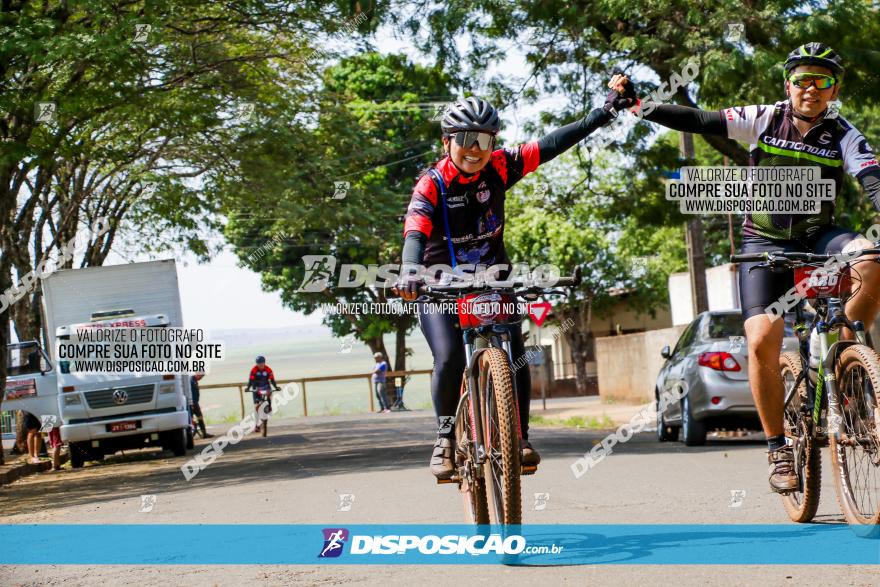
[722, 285]
[621, 317]
[628, 365]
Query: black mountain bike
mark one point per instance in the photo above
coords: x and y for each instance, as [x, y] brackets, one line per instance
[487, 428]
[836, 405]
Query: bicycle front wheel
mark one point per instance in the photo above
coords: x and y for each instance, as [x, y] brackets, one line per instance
[801, 505]
[855, 451]
[501, 435]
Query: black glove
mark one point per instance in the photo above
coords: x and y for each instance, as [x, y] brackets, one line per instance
[616, 101]
[408, 285]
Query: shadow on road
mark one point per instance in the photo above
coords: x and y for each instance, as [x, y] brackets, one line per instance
[298, 449]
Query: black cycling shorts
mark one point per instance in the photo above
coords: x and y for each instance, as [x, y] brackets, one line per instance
[763, 286]
[31, 422]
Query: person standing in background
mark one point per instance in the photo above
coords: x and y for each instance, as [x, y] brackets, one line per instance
[34, 438]
[379, 381]
[55, 443]
[196, 408]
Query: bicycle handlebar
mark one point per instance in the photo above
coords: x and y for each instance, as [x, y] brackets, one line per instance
[463, 288]
[794, 257]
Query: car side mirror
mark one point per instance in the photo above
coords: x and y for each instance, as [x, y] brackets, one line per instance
[666, 352]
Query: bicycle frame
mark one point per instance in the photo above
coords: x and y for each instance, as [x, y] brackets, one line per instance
[498, 337]
[830, 347]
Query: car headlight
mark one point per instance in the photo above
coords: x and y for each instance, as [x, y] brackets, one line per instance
[73, 399]
[167, 388]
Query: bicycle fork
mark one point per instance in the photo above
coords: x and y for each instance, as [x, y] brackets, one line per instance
[480, 404]
[473, 389]
[826, 381]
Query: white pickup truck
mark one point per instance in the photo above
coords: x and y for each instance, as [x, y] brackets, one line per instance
[101, 413]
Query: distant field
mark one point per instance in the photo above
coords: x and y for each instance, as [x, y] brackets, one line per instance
[316, 356]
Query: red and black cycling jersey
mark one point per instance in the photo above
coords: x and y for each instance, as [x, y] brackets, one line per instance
[474, 206]
[261, 379]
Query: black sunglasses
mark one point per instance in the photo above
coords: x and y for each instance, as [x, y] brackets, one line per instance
[466, 139]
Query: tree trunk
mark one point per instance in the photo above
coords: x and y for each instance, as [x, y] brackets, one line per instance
[400, 347]
[26, 323]
[581, 342]
[377, 345]
[5, 283]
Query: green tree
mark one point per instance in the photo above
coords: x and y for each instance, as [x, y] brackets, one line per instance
[373, 130]
[558, 216]
[139, 94]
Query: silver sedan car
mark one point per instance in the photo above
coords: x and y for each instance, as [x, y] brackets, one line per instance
[708, 369]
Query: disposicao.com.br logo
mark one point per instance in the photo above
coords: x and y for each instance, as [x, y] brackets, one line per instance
[402, 544]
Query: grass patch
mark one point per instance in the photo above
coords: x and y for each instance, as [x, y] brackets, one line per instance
[592, 423]
[229, 418]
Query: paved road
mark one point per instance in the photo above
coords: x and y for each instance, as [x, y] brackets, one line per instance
[298, 474]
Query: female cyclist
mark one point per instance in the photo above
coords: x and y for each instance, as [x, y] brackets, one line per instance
[456, 216]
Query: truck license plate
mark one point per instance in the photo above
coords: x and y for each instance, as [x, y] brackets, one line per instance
[122, 426]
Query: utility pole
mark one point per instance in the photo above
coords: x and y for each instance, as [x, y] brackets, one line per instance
[695, 248]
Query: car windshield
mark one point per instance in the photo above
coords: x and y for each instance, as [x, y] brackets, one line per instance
[724, 326]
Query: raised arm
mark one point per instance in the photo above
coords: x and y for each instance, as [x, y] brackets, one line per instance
[687, 119]
[564, 138]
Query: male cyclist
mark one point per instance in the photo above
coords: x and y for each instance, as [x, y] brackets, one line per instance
[261, 379]
[456, 216]
[801, 131]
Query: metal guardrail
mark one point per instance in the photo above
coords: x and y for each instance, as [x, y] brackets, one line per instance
[302, 383]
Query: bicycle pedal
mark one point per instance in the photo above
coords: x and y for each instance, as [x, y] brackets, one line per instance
[528, 470]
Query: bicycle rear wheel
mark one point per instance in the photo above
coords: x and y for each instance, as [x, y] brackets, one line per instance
[472, 487]
[501, 435]
[855, 452]
[800, 505]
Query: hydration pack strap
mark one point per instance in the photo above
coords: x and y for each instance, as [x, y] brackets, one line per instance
[441, 187]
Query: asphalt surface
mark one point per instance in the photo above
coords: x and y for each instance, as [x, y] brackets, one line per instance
[373, 469]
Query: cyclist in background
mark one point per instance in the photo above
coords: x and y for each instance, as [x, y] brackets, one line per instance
[801, 130]
[456, 216]
[261, 379]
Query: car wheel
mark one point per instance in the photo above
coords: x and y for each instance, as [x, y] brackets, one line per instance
[665, 432]
[694, 431]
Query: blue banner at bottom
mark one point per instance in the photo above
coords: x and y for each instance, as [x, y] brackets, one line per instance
[625, 544]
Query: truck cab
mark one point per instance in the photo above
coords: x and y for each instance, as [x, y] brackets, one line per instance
[106, 412]
[31, 382]
[103, 412]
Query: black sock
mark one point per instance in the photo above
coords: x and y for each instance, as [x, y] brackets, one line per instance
[446, 427]
[776, 442]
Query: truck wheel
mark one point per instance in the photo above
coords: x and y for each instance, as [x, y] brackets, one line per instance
[77, 458]
[177, 442]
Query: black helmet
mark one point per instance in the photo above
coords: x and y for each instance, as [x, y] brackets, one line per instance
[815, 54]
[470, 114]
[260, 359]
